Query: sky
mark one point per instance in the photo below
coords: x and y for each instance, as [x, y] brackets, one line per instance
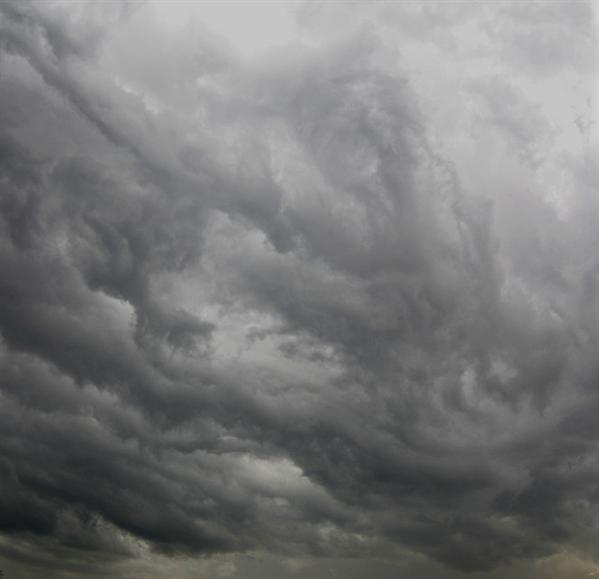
[299, 290]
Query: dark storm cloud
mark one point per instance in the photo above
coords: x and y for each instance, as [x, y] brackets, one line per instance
[256, 305]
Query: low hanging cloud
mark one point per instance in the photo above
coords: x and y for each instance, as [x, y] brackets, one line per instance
[332, 299]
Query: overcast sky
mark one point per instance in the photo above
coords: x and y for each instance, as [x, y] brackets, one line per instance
[299, 290]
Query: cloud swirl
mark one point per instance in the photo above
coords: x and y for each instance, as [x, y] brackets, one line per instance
[332, 300]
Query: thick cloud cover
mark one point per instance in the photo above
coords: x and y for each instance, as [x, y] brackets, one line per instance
[330, 300]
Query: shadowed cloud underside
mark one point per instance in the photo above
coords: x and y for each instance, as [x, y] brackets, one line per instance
[312, 296]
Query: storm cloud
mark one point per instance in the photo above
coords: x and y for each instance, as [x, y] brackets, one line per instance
[298, 290]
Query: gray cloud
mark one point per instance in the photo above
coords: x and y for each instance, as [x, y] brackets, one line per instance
[327, 302]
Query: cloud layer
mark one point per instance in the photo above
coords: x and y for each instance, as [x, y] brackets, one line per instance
[335, 299]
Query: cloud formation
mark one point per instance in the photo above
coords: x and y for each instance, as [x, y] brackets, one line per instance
[335, 299]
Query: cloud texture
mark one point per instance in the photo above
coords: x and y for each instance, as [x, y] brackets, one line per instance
[337, 299]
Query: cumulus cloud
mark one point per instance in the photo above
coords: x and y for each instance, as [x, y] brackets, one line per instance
[332, 299]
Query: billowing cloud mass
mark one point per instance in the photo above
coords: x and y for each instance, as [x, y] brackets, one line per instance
[298, 290]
